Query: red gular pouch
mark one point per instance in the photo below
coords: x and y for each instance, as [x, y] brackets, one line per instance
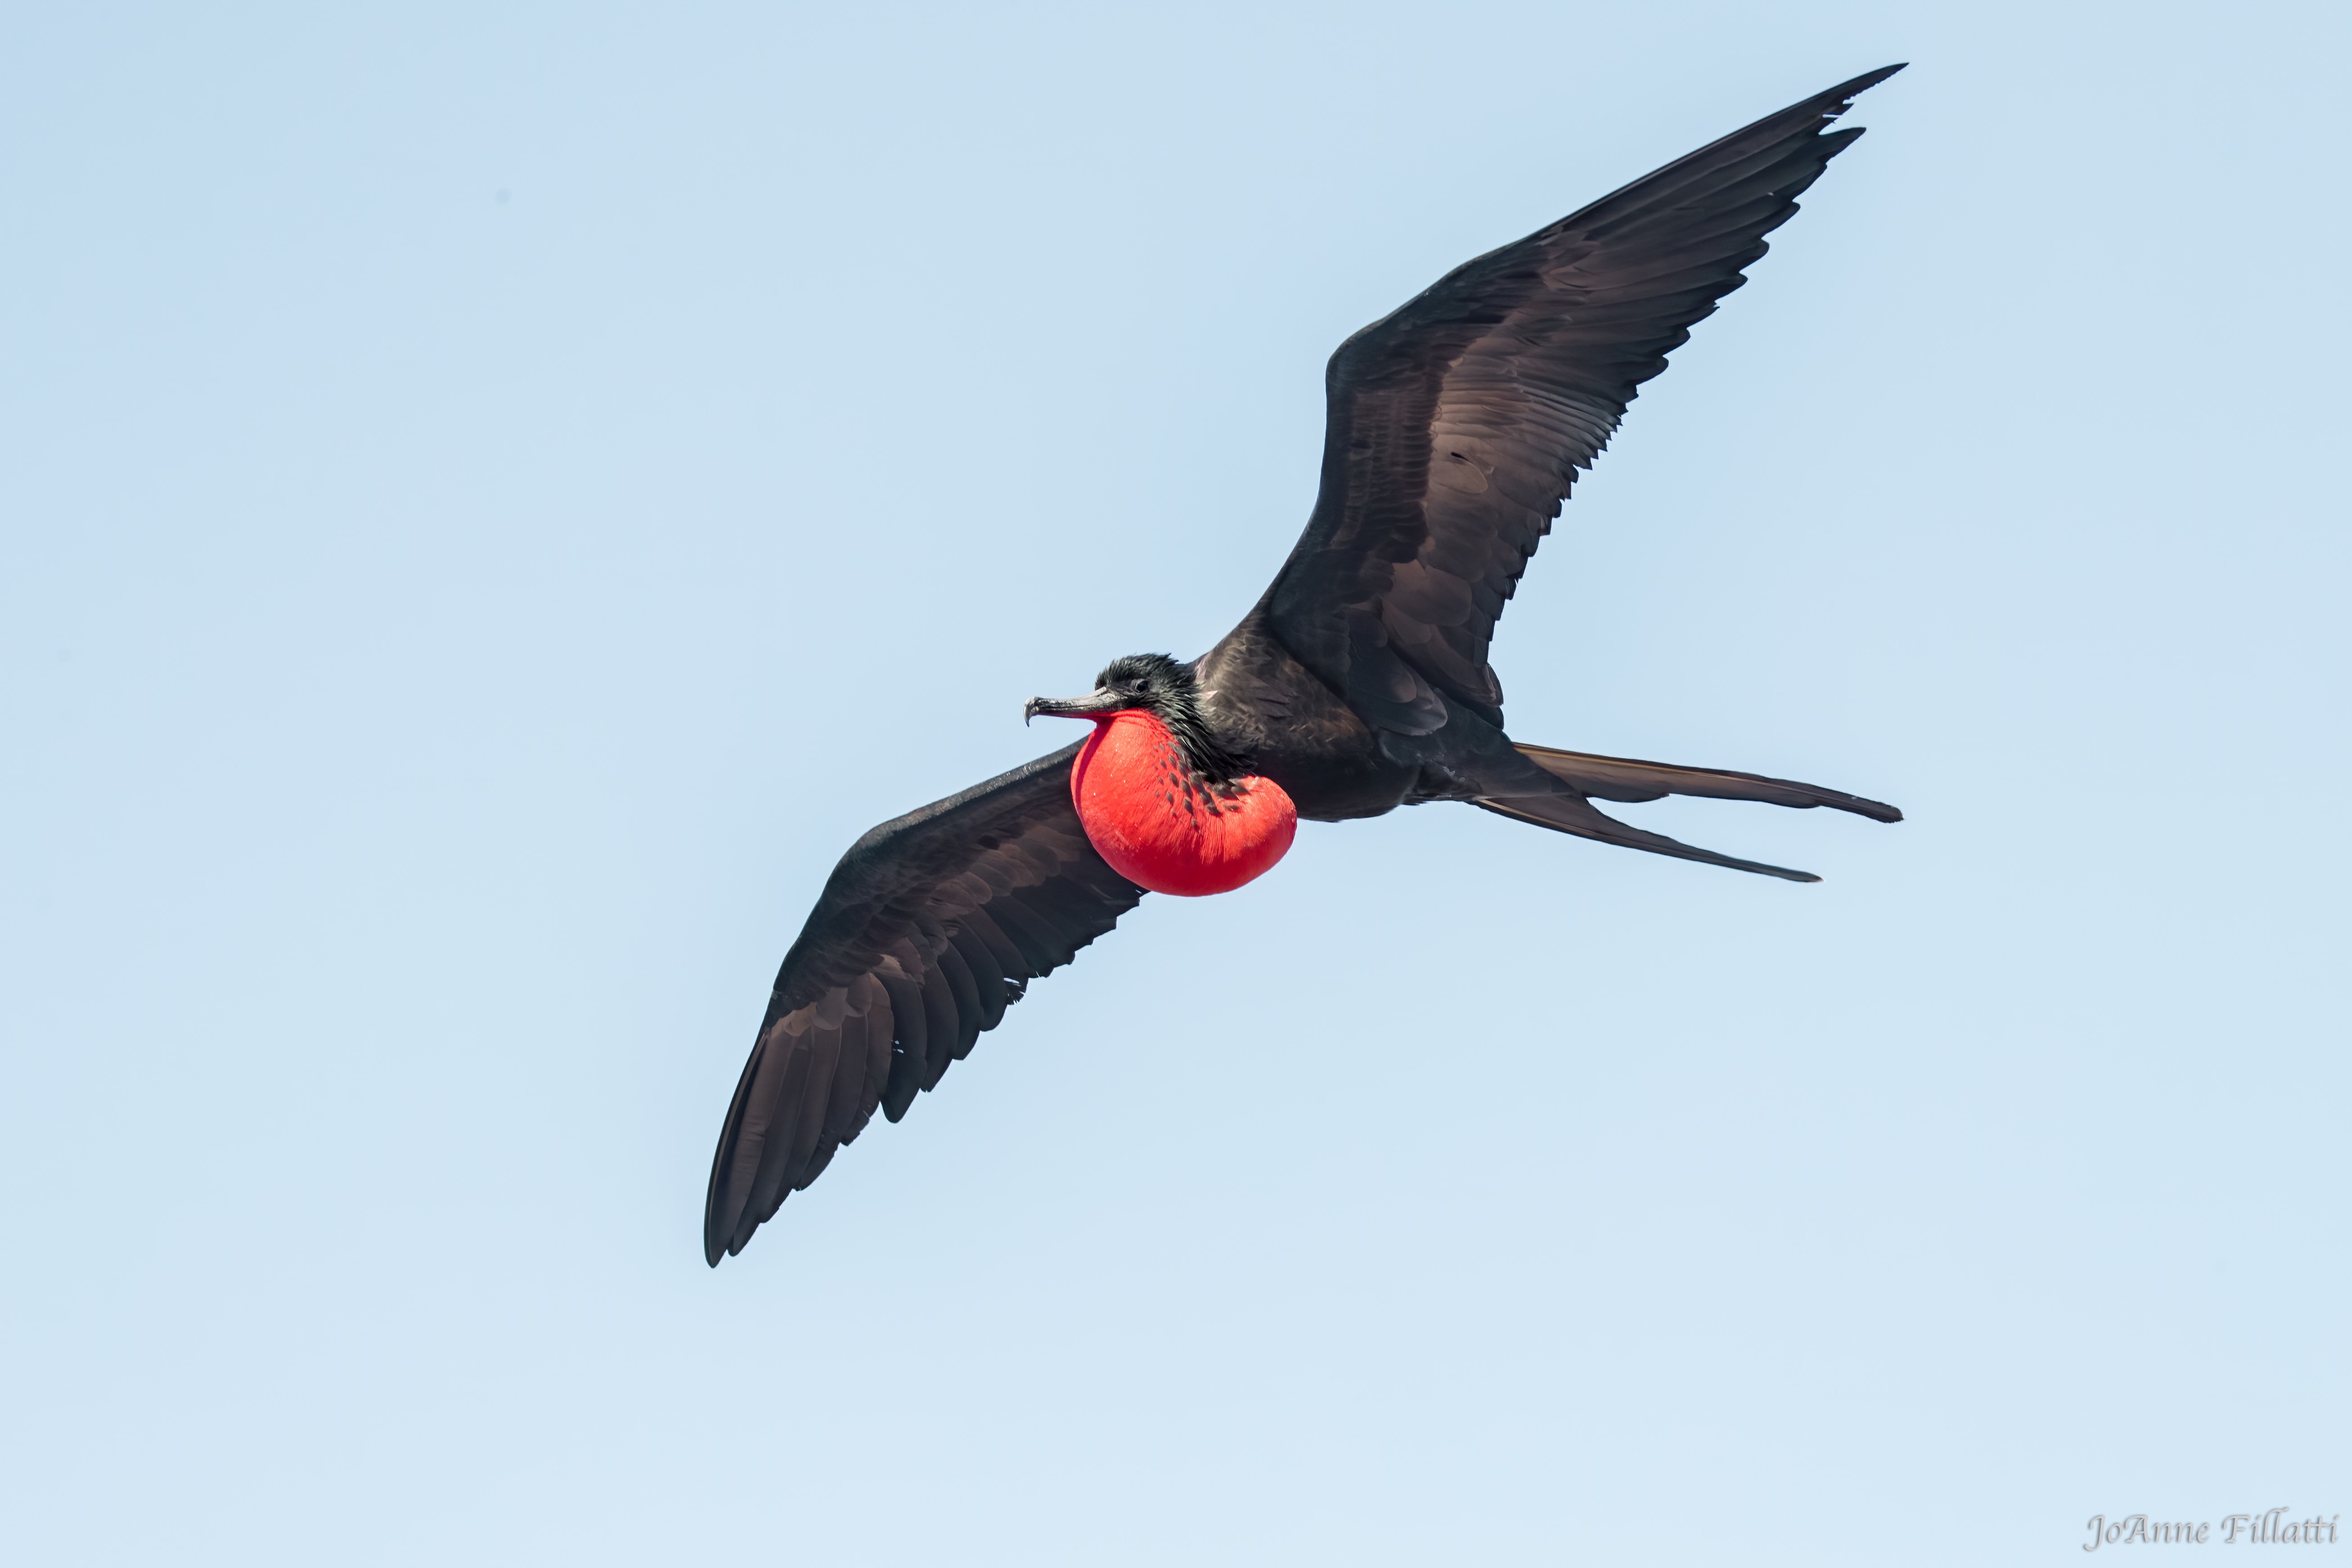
[1163, 827]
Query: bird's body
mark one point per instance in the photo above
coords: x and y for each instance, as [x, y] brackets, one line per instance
[1267, 706]
[1357, 684]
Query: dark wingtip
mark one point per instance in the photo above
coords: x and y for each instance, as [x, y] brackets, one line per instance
[1829, 105]
[714, 1243]
[714, 1231]
[1865, 81]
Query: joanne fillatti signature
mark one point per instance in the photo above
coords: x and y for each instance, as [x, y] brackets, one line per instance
[2271, 1529]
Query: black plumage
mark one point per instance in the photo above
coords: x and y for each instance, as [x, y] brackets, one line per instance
[1360, 682]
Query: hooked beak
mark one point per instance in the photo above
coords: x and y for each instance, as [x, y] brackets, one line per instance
[1095, 704]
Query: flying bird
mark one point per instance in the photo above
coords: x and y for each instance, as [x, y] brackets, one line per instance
[1357, 684]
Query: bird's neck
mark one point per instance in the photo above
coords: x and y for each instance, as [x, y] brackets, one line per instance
[1180, 718]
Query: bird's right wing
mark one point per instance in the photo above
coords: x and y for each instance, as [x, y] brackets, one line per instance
[928, 929]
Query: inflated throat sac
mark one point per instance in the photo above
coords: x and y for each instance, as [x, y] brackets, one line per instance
[1161, 826]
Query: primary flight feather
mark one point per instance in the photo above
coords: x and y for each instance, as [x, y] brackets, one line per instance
[1358, 682]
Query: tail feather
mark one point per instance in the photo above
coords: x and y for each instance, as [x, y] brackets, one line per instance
[1626, 779]
[1566, 813]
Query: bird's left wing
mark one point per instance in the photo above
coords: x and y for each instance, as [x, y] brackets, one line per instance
[1458, 424]
[928, 929]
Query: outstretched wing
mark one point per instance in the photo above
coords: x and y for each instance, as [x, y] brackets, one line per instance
[1457, 425]
[928, 929]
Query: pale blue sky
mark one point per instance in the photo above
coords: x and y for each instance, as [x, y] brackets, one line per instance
[497, 498]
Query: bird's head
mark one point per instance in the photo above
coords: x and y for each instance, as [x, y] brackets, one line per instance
[1152, 683]
[1155, 684]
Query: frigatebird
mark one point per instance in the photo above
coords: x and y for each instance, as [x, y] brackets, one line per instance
[1358, 682]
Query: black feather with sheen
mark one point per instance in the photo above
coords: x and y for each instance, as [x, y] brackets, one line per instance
[1458, 423]
[905, 960]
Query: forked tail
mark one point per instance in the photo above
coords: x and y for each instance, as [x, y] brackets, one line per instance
[1576, 775]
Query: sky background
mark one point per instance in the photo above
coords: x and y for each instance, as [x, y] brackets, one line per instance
[495, 499]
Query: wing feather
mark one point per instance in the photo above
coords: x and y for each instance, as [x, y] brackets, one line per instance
[1457, 425]
[932, 926]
